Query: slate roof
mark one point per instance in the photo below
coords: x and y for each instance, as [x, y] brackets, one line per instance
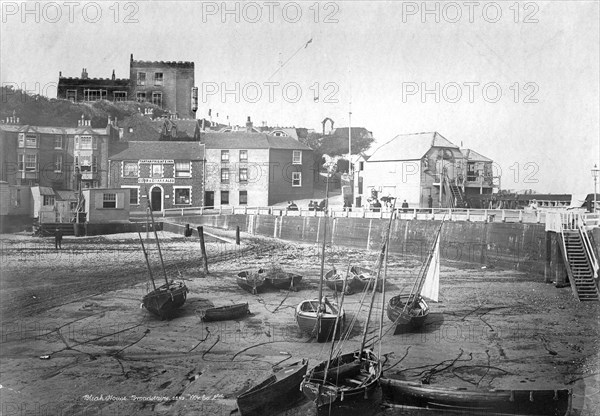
[186, 129]
[66, 195]
[15, 128]
[144, 128]
[473, 156]
[410, 146]
[244, 140]
[157, 150]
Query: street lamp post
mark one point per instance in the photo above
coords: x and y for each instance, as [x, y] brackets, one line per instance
[595, 172]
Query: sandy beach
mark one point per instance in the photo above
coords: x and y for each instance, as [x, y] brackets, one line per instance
[75, 340]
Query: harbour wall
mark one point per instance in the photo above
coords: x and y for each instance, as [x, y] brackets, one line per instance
[517, 246]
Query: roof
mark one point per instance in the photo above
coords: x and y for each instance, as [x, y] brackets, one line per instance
[45, 190]
[16, 128]
[473, 156]
[66, 195]
[291, 132]
[410, 146]
[135, 150]
[186, 129]
[244, 140]
[144, 128]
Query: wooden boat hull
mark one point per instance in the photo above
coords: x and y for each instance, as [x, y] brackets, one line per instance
[320, 325]
[165, 300]
[278, 392]
[225, 313]
[415, 319]
[353, 383]
[364, 278]
[251, 282]
[284, 280]
[488, 402]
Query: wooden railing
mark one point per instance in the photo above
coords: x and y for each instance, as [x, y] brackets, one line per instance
[453, 214]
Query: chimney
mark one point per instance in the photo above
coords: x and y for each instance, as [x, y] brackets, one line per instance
[131, 58]
[113, 75]
[84, 73]
[60, 74]
[249, 125]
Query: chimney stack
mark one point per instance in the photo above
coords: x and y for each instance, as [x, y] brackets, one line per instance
[60, 74]
[113, 75]
[84, 73]
[249, 125]
[131, 58]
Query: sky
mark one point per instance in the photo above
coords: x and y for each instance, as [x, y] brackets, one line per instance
[516, 81]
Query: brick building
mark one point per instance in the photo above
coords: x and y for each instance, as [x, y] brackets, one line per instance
[167, 84]
[93, 89]
[49, 156]
[256, 169]
[171, 173]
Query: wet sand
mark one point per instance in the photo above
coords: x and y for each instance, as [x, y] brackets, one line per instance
[75, 341]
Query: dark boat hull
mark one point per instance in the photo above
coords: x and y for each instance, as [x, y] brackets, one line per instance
[165, 300]
[335, 282]
[321, 326]
[224, 313]
[348, 388]
[484, 402]
[415, 319]
[364, 278]
[276, 393]
[283, 280]
[253, 283]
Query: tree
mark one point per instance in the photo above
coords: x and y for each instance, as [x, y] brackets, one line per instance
[335, 145]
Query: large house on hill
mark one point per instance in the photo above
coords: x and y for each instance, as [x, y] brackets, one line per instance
[166, 84]
[256, 169]
[415, 167]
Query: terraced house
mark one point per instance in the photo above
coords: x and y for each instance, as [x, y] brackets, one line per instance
[51, 156]
[171, 174]
[256, 169]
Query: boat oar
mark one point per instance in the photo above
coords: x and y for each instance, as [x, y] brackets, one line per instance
[147, 262]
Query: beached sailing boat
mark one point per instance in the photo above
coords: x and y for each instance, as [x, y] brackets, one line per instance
[164, 300]
[412, 309]
[347, 383]
[319, 317]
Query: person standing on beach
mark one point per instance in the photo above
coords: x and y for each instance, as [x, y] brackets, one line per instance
[58, 235]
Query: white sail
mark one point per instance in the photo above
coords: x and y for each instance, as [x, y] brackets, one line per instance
[431, 286]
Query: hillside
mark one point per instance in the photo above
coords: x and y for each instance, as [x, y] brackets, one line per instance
[44, 111]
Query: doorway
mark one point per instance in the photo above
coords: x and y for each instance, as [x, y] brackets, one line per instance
[156, 199]
[209, 199]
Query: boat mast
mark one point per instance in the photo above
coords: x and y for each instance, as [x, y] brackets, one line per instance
[324, 238]
[385, 264]
[383, 250]
[337, 319]
[147, 262]
[162, 263]
[421, 279]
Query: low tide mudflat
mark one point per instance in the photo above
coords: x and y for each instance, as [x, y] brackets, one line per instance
[75, 341]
